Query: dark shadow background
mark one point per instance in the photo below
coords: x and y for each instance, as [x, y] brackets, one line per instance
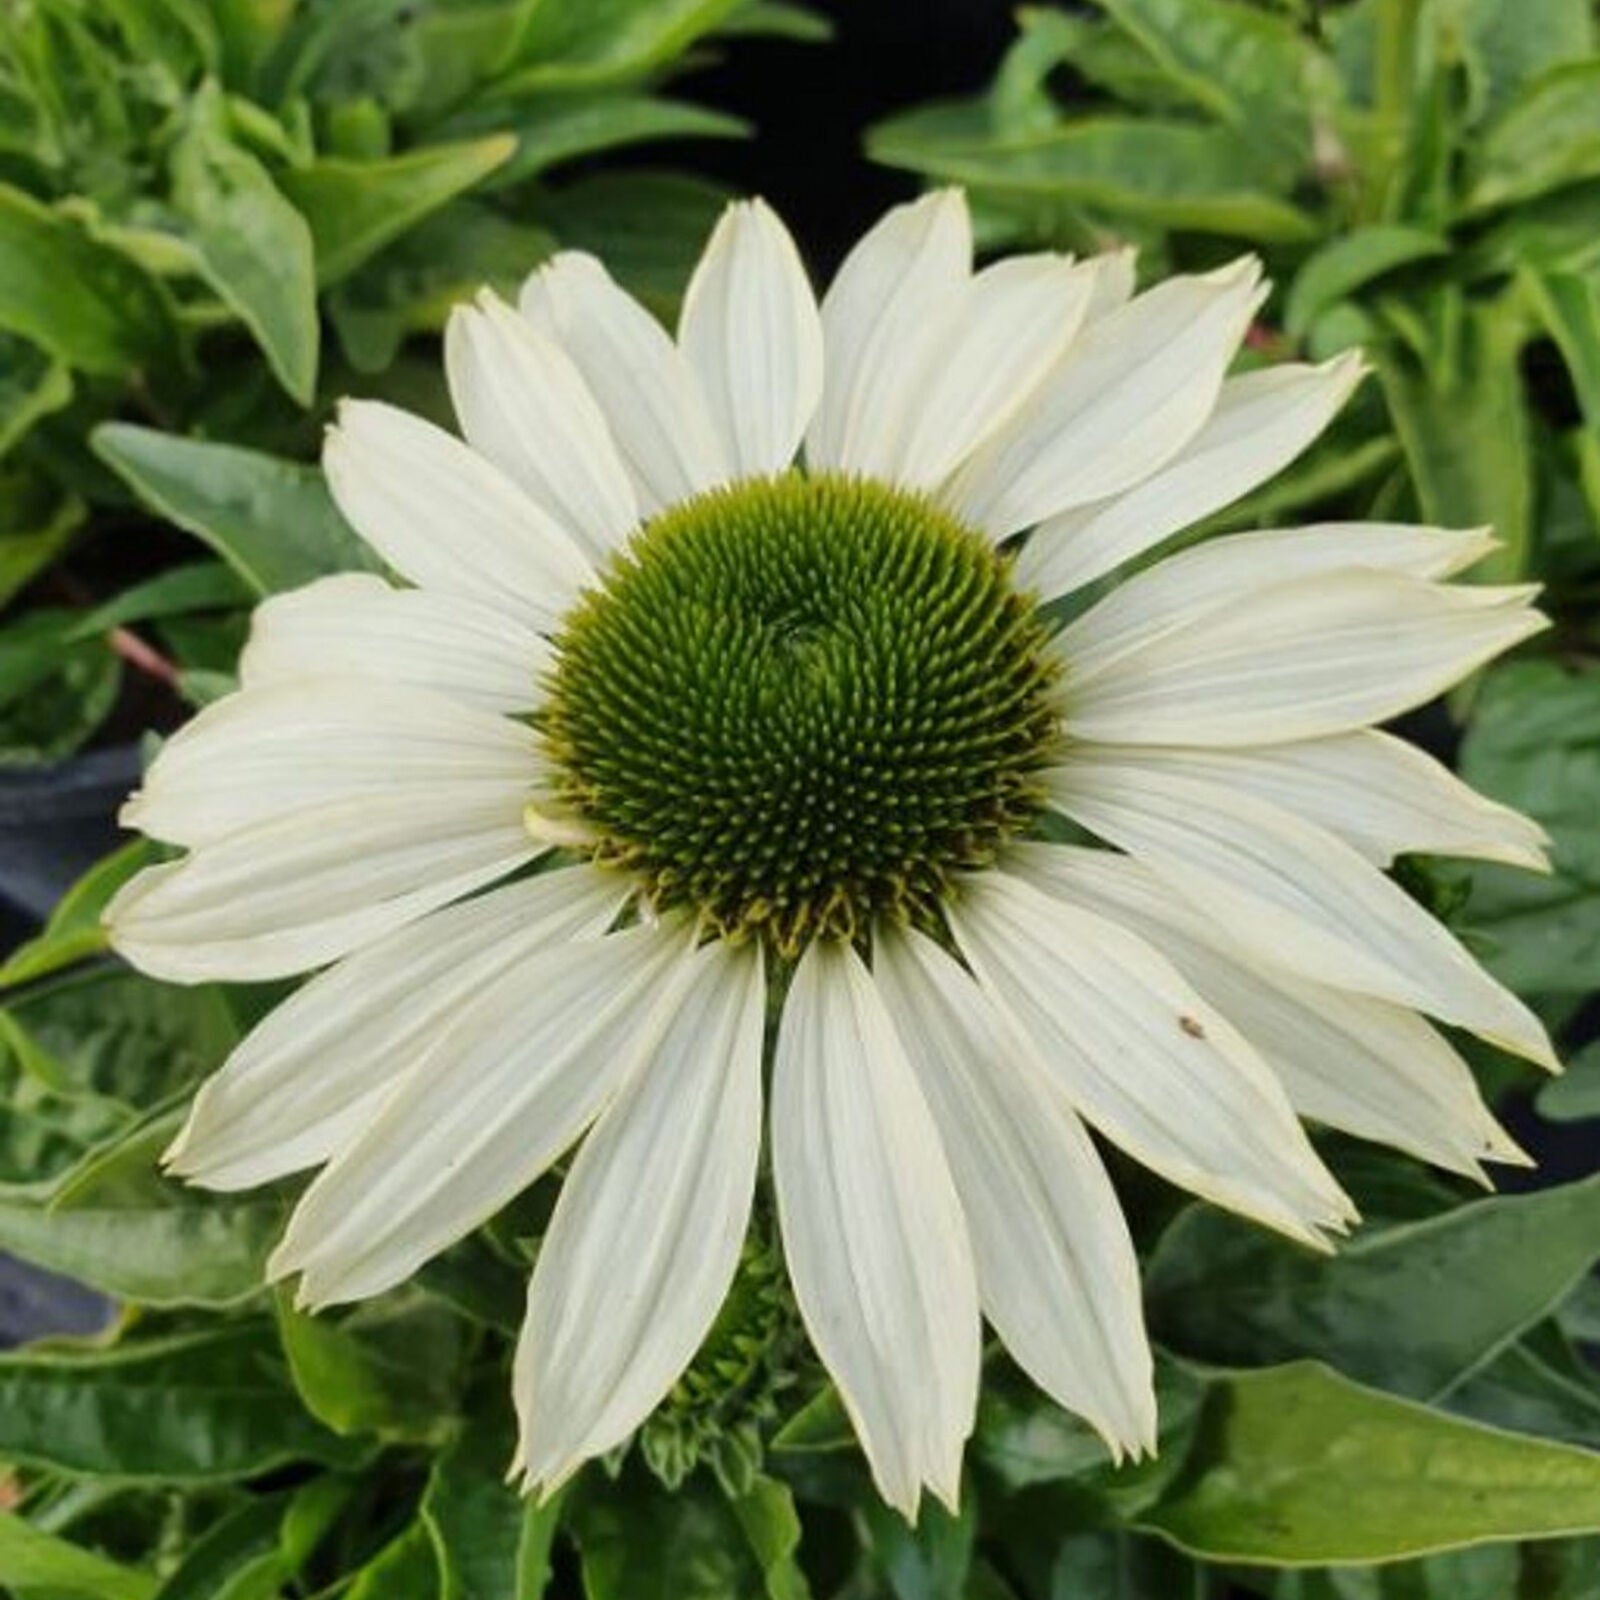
[810, 105]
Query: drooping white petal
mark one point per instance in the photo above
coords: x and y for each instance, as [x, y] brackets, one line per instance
[893, 289]
[294, 893]
[523, 404]
[1290, 892]
[1382, 796]
[1262, 421]
[1057, 1272]
[1143, 1057]
[1002, 335]
[1129, 395]
[653, 402]
[1365, 1066]
[751, 331]
[265, 754]
[511, 1086]
[445, 518]
[872, 1229]
[356, 625]
[309, 1078]
[1221, 574]
[648, 1229]
[1308, 657]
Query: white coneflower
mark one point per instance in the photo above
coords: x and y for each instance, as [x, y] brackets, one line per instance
[733, 637]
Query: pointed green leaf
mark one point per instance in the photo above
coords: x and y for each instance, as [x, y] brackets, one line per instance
[192, 1408]
[250, 244]
[1297, 1465]
[1534, 743]
[272, 520]
[1351, 262]
[66, 291]
[32, 1560]
[354, 208]
[1172, 174]
[74, 931]
[1412, 1309]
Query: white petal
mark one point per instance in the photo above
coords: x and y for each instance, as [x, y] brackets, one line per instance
[1056, 1268]
[1262, 421]
[652, 400]
[1383, 797]
[309, 1078]
[265, 754]
[751, 331]
[496, 1100]
[1113, 281]
[522, 403]
[1012, 324]
[1129, 395]
[872, 1229]
[894, 288]
[445, 518]
[1290, 892]
[356, 625]
[303, 890]
[1221, 573]
[1305, 658]
[1143, 1057]
[648, 1229]
[1368, 1067]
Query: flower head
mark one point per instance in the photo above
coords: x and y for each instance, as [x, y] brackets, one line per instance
[713, 673]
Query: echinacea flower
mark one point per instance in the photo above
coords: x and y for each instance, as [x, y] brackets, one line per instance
[712, 681]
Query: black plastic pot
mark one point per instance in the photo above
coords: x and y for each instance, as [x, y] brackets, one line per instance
[54, 824]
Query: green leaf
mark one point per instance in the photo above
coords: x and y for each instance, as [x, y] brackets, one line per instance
[1503, 46]
[928, 1562]
[405, 1569]
[87, 304]
[492, 1542]
[1463, 424]
[1173, 174]
[1568, 305]
[1548, 136]
[250, 244]
[637, 1542]
[239, 1557]
[31, 1559]
[1529, 1389]
[1534, 743]
[120, 1227]
[411, 286]
[1575, 1095]
[32, 385]
[1413, 1309]
[192, 1408]
[1351, 262]
[1248, 67]
[355, 208]
[73, 932]
[392, 1368]
[553, 129]
[177, 592]
[1297, 1465]
[117, 1036]
[38, 524]
[54, 693]
[273, 521]
[568, 43]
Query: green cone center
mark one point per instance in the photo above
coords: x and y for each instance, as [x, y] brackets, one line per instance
[799, 704]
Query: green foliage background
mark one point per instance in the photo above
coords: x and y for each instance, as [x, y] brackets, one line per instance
[218, 215]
